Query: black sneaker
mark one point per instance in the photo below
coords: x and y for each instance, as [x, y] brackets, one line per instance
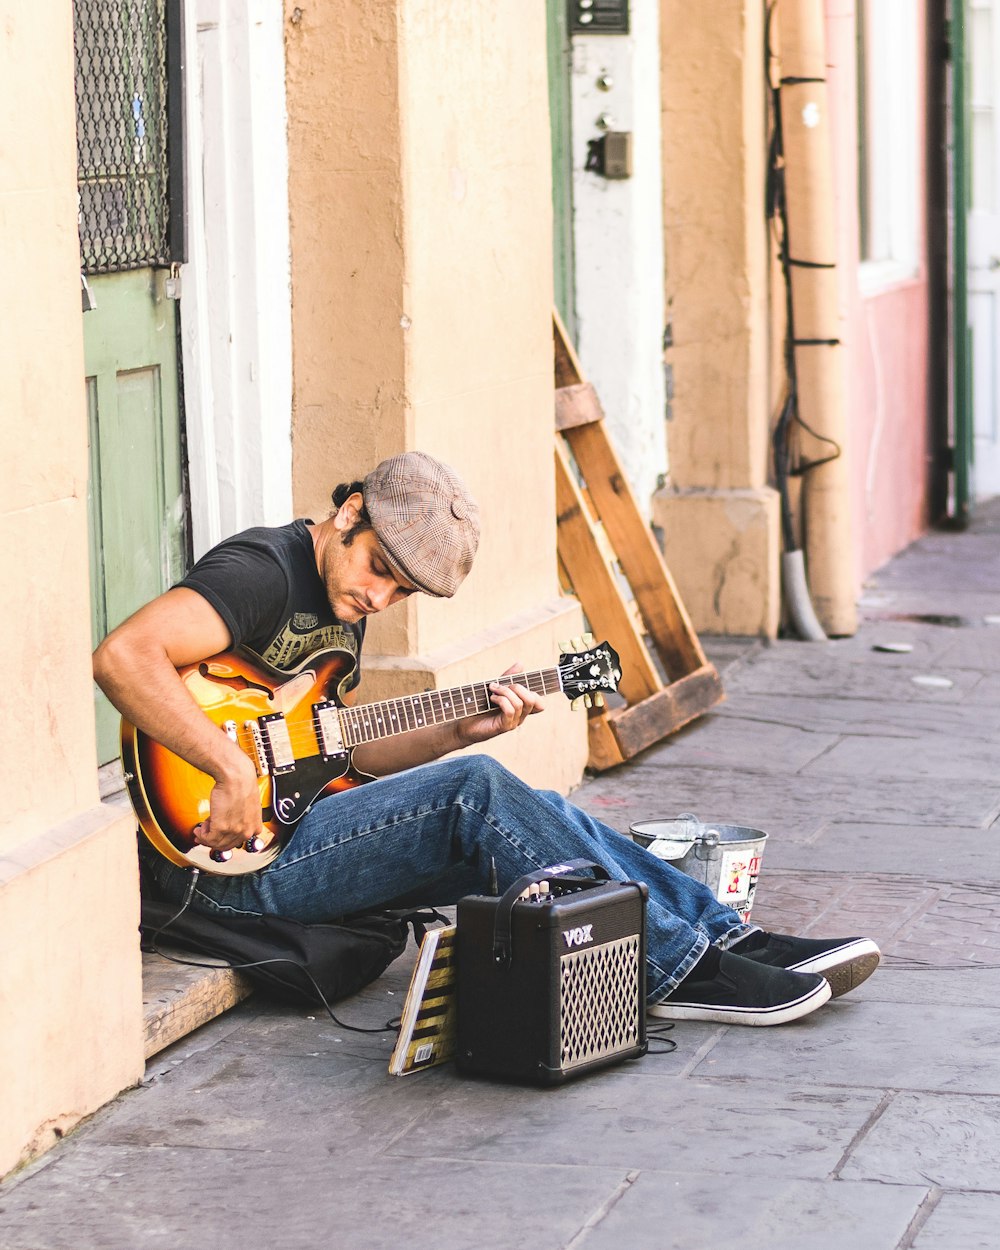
[845, 962]
[744, 992]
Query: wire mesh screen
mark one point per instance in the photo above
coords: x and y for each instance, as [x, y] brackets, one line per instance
[121, 127]
[599, 1007]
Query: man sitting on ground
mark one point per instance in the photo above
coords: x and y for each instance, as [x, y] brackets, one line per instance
[433, 831]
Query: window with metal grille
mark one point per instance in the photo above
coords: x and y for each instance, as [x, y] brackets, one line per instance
[124, 139]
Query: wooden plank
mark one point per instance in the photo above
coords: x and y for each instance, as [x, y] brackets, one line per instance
[640, 726]
[604, 603]
[577, 405]
[604, 751]
[177, 1000]
[642, 563]
[567, 364]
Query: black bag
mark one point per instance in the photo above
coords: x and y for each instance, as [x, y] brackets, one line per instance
[340, 958]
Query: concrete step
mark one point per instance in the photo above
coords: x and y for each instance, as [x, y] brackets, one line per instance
[177, 999]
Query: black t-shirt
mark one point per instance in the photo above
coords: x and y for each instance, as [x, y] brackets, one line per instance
[265, 585]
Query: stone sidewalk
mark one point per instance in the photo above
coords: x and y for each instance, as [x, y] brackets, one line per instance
[874, 1123]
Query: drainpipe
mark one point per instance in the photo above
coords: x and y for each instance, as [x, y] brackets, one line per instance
[812, 244]
[961, 333]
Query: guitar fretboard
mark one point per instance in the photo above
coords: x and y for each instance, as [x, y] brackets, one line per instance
[371, 721]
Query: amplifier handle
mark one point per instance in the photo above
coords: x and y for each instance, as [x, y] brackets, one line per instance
[505, 905]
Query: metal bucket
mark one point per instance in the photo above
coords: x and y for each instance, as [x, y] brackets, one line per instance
[726, 858]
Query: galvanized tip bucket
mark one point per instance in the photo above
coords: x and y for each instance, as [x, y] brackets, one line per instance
[726, 858]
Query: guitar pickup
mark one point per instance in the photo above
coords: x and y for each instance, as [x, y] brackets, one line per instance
[331, 740]
[277, 743]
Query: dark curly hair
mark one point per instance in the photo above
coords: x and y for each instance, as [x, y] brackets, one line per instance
[343, 492]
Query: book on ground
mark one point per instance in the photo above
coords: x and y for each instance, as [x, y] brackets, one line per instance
[428, 1024]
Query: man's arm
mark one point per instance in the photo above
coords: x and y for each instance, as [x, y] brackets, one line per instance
[512, 706]
[136, 667]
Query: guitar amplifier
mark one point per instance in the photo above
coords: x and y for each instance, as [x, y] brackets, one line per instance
[552, 985]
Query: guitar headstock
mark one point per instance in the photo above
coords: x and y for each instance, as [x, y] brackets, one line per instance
[590, 671]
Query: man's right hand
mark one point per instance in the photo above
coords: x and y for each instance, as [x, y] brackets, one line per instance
[234, 810]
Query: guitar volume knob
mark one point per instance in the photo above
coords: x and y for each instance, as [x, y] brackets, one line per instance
[254, 845]
[220, 857]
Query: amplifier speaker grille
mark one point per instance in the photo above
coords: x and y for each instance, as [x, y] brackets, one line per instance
[599, 1011]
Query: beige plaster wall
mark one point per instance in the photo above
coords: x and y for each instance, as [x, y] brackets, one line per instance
[718, 514]
[70, 995]
[421, 232]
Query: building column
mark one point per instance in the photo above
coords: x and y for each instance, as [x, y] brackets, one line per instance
[421, 235]
[70, 990]
[719, 518]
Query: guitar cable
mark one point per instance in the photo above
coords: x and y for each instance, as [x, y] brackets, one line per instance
[390, 1026]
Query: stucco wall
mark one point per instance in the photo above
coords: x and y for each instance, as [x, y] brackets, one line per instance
[718, 515]
[421, 241]
[886, 333]
[70, 994]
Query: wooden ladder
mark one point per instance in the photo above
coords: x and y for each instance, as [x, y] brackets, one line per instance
[593, 495]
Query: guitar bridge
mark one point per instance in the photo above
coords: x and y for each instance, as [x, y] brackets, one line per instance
[327, 721]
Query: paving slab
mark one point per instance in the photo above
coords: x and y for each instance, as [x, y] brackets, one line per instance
[863, 1043]
[117, 1198]
[862, 717]
[950, 1141]
[906, 601]
[916, 921]
[792, 806]
[950, 760]
[685, 1212]
[820, 674]
[940, 852]
[961, 1221]
[774, 1128]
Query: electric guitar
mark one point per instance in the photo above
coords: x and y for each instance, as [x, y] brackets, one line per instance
[301, 737]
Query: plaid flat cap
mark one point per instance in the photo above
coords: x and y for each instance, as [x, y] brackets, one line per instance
[425, 520]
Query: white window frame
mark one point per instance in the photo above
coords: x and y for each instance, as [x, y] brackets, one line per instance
[888, 139]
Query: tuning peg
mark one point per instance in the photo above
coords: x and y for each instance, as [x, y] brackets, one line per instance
[566, 646]
[598, 700]
[588, 701]
[588, 640]
[575, 703]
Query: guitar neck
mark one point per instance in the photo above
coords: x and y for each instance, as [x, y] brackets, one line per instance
[371, 721]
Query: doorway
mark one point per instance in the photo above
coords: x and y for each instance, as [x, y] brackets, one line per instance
[131, 237]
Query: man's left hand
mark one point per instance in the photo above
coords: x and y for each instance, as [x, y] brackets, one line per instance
[513, 705]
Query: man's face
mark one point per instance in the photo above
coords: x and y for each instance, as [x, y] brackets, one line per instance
[358, 579]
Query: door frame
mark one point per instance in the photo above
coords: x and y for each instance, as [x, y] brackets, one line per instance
[236, 298]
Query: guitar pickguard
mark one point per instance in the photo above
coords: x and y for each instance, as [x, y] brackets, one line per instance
[292, 794]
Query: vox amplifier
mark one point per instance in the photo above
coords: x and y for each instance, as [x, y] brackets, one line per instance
[551, 976]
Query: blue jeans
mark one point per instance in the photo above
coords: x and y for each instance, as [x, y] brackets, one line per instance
[428, 836]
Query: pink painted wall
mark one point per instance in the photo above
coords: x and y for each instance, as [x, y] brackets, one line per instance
[885, 335]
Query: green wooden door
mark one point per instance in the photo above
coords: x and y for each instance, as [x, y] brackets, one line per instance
[135, 492]
[560, 52]
[129, 91]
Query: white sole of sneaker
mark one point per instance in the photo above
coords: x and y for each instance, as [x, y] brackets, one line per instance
[759, 1016]
[844, 968]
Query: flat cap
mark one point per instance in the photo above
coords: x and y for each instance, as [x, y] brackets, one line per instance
[425, 520]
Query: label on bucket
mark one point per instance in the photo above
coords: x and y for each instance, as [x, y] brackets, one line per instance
[738, 882]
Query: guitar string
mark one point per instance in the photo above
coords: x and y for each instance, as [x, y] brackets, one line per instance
[414, 706]
[411, 706]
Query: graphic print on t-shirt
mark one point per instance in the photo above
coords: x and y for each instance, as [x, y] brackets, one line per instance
[292, 642]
